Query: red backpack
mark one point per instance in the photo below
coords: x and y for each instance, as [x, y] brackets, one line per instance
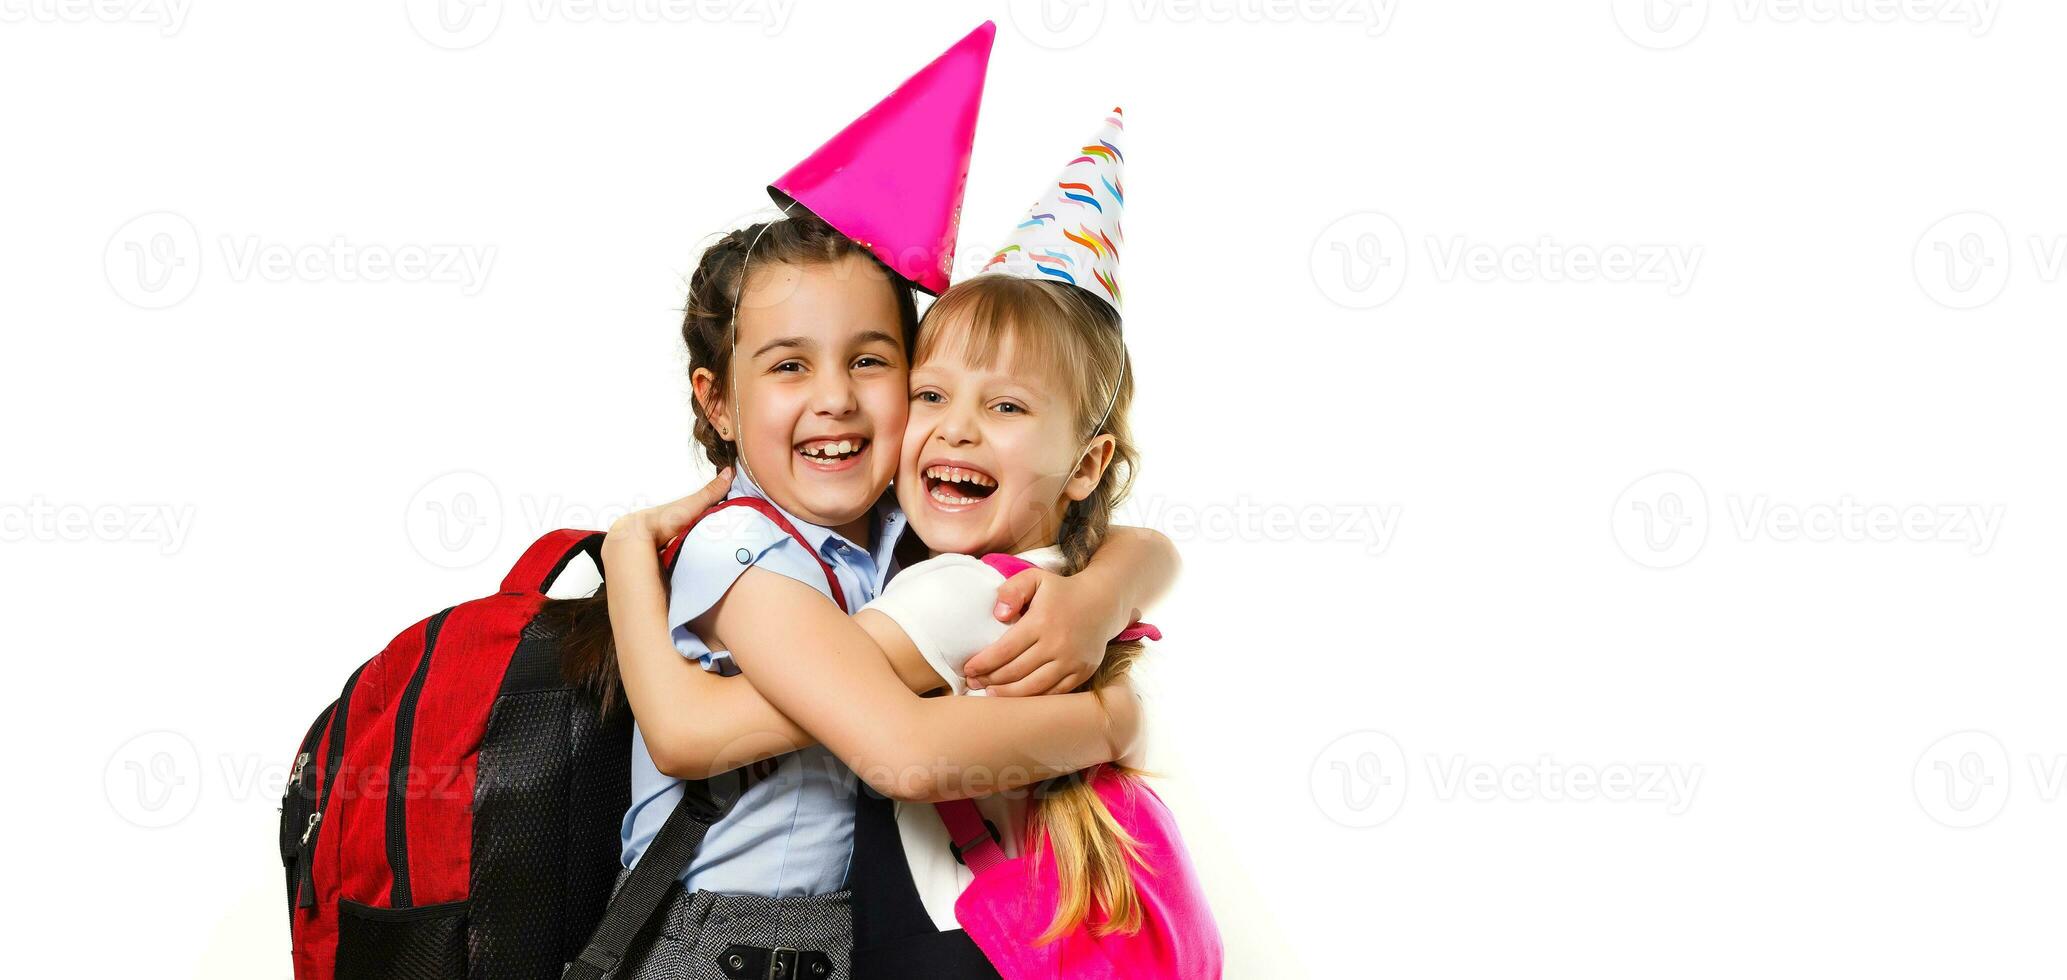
[497, 858]
[455, 811]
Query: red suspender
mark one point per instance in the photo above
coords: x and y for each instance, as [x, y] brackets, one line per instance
[669, 554]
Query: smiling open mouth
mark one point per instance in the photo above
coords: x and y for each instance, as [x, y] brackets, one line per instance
[958, 486]
[832, 450]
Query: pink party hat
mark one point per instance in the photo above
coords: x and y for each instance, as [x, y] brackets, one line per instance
[1072, 232]
[892, 180]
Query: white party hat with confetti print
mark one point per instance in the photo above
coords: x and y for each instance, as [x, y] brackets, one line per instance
[1072, 232]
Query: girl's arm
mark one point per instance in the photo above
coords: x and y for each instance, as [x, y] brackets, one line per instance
[696, 723]
[1060, 640]
[817, 666]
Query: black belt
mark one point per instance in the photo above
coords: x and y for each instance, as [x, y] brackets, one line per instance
[743, 962]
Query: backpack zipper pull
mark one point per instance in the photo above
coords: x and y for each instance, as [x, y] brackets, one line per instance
[301, 762]
[304, 893]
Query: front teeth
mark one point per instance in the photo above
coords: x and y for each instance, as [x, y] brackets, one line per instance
[941, 494]
[828, 450]
[957, 474]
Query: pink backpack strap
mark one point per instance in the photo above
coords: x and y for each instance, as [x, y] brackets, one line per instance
[1007, 565]
[974, 839]
[1010, 565]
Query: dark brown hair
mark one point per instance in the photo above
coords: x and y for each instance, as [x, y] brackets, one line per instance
[802, 239]
[588, 657]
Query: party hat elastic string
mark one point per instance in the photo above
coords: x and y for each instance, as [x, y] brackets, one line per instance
[732, 345]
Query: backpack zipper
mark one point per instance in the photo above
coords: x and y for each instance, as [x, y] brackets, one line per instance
[305, 893]
[398, 768]
[296, 802]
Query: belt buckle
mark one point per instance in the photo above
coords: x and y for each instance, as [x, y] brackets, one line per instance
[782, 963]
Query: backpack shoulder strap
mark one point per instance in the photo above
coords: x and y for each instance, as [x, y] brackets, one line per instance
[673, 551]
[548, 557]
[973, 839]
[1006, 565]
[1010, 565]
[661, 864]
[641, 895]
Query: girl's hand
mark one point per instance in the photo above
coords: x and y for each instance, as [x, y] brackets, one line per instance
[640, 534]
[1057, 642]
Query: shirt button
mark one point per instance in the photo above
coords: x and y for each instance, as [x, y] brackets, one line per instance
[745, 557]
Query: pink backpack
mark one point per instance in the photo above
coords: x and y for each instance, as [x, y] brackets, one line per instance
[1009, 906]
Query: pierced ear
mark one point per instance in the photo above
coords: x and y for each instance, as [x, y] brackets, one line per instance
[1091, 467]
[704, 383]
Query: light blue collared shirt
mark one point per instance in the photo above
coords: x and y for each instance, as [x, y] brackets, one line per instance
[792, 832]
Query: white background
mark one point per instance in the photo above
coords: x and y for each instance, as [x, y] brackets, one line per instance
[1410, 355]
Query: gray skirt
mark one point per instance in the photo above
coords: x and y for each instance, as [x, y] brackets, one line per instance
[694, 936]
